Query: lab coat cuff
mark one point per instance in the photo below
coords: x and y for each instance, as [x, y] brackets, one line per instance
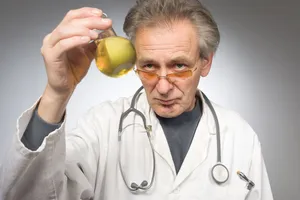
[22, 123]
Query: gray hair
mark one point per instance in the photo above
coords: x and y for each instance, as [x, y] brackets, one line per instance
[163, 12]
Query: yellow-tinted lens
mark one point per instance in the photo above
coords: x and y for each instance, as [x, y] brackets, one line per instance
[152, 77]
[149, 76]
[179, 75]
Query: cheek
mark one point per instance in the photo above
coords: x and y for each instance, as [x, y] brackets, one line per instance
[148, 88]
[188, 87]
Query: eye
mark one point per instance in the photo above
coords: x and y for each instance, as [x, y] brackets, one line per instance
[180, 66]
[148, 67]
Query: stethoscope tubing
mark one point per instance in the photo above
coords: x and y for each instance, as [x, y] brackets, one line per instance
[219, 158]
[148, 130]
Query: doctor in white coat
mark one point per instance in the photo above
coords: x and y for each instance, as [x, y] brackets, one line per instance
[178, 146]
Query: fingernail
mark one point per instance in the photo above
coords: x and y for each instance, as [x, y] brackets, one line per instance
[105, 20]
[97, 12]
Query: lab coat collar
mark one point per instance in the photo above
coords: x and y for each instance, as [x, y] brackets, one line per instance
[152, 119]
[206, 112]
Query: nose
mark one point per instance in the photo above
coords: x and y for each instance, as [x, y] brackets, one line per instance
[163, 86]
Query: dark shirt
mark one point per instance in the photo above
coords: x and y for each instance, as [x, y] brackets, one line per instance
[179, 132]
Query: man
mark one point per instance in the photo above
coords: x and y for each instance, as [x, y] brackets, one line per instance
[175, 41]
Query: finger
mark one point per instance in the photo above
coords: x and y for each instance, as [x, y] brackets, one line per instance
[68, 31]
[90, 50]
[45, 42]
[82, 13]
[93, 23]
[69, 43]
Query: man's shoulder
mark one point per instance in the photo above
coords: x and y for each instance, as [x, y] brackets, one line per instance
[232, 120]
[227, 113]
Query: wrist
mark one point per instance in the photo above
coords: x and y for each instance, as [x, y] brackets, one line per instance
[52, 105]
[62, 96]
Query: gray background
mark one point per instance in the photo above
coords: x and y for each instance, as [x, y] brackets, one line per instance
[255, 72]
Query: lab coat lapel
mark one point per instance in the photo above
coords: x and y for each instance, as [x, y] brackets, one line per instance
[160, 143]
[199, 148]
[158, 139]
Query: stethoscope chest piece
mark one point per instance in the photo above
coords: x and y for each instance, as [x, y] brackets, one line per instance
[220, 173]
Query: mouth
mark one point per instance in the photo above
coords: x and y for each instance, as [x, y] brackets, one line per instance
[166, 102]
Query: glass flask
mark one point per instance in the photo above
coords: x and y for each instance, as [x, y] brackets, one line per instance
[115, 56]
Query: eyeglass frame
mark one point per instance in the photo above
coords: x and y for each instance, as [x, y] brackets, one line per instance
[136, 70]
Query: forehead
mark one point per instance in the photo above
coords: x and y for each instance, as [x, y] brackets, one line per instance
[177, 39]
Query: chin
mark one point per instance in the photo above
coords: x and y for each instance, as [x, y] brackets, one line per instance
[167, 111]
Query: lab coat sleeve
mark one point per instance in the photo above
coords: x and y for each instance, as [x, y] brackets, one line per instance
[63, 167]
[258, 174]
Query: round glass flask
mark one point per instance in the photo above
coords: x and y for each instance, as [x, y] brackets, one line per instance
[115, 56]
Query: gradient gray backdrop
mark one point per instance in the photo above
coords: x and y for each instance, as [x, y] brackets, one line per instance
[255, 72]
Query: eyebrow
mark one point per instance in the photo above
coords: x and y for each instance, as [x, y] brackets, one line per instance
[178, 59]
[144, 61]
[181, 59]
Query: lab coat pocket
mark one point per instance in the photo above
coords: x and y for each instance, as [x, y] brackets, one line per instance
[240, 192]
[252, 195]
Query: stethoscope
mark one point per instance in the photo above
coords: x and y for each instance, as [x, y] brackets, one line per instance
[219, 171]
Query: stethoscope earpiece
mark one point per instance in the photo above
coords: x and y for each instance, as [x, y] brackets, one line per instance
[144, 183]
[136, 187]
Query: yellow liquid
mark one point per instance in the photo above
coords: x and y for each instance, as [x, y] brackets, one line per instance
[115, 56]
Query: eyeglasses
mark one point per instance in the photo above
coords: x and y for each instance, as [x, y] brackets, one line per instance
[172, 77]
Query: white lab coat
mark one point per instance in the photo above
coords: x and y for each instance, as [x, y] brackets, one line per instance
[84, 163]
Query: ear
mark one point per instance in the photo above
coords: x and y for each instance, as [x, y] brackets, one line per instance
[206, 64]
